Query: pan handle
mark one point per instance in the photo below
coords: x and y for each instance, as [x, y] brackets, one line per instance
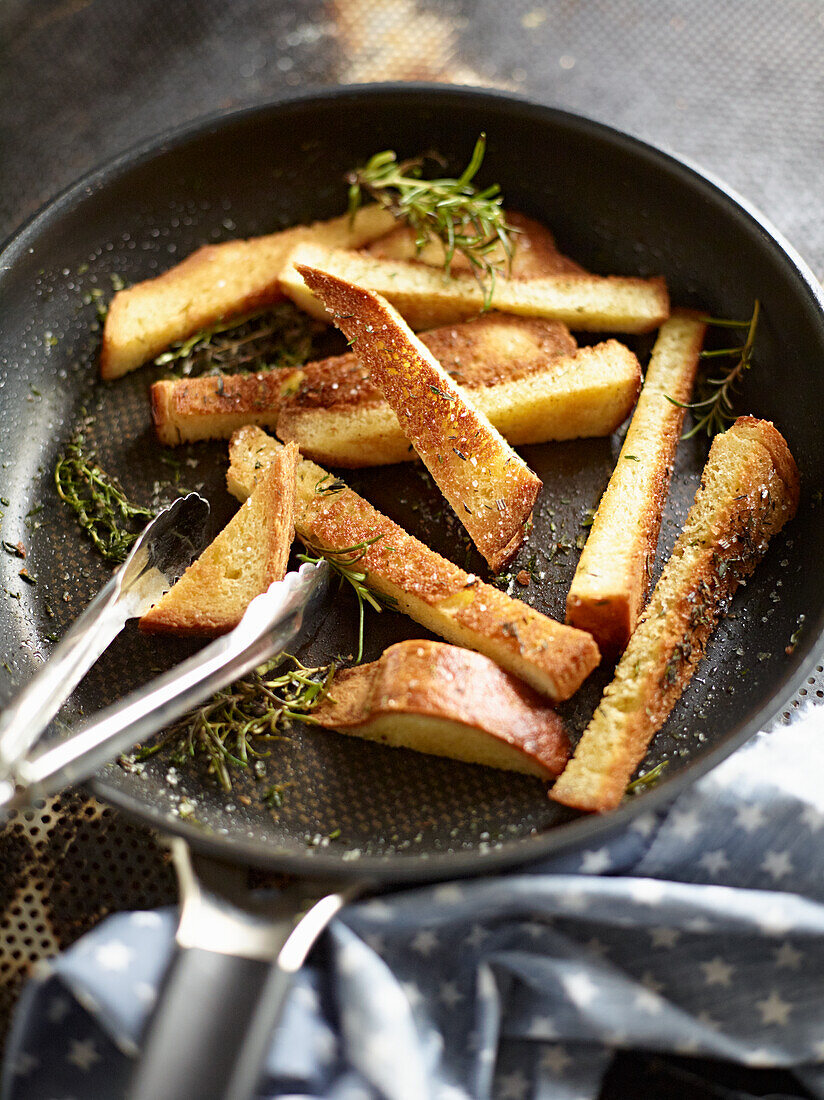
[227, 983]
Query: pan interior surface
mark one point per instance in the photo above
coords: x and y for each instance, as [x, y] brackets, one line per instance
[617, 207]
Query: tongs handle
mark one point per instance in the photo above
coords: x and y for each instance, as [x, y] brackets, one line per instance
[271, 621]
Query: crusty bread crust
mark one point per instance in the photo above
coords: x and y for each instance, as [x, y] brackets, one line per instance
[489, 486]
[749, 490]
[215, 283]
[535, 252]
[611, 582]
[213, 406]
[553, 658]
[249, 554]
[447, 701]
[426, 297]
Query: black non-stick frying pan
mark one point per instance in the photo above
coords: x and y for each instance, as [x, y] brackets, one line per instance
[617, 206]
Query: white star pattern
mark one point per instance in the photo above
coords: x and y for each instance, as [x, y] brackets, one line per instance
[146, 919]
[774, 921]
[774, 1010]
[113, 956]
[145, 993]
[58, 1007]
[83, 1054]
[647, 891]
[574, 900]
[818, 1050]
[685, 824]
[580, 987]
[512, 1086]
[787, 957]
[533, 929]
[643, 824]
[425, 942]
[555, 1059]
[812, 818]
[664, 937]
[477, 935]
[717, 971]
[759, 1057]
[777, 864]
[749, 818]
[698, 924]
[714, 862]
[376, 941]
[542, 1027]
[707, 1020]
[686, 1046]
[595, 861]
[596, 947]
[450, 894]
[25, 1064]
[648, 999]
[450, 995]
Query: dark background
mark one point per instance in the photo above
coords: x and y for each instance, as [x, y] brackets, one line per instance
[737, 87]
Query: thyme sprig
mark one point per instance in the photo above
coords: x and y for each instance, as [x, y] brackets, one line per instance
[343, 562]
[648, 779]
[266, 339]
[101, 507]
[453, 211]
[717, 404]
[259, 708]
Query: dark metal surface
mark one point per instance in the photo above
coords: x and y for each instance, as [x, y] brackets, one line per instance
[616, 206]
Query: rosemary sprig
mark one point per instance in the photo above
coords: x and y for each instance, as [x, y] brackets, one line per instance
[717, 405]
[648, 779]
[267, 339]
[260, 708]
[343, 562]
[453, 211]
[102, 509]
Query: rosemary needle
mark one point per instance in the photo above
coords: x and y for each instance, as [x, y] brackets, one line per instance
[453, 211]
[716, 407]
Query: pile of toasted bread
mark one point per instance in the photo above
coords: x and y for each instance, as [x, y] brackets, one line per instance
[431, 376]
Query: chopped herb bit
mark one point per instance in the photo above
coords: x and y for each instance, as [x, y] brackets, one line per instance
[268, 339]
[589, 517]
[117, 282]
[17, 550]
[25, 575]
[631, 458]
[453, 211]
[5, 502]
[329, 485]
[342, 562]
[440, 393]
[648, 779]
[101, 507]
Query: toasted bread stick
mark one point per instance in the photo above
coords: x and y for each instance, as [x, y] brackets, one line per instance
[554, 659]
[215, 283]
[249, 554]
[447, 701]
[489, 486]
[426, 297]
[611, 582]
[534, 251]
[749, 490]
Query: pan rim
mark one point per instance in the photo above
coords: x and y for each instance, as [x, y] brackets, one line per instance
[515, 852]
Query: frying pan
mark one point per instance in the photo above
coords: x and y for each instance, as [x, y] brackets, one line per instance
[355, 811]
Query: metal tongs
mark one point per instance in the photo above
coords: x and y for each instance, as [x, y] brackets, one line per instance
[160, 555]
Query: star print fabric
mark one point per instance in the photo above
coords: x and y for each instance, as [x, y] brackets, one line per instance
[699, 931]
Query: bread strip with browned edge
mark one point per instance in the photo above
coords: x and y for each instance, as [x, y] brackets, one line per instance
[611, 582]
[249, 554]
[534, 250]
[215, 283]
[447, 701]
[553, 658]
[481, 352]
[749, 490]
[427, 297]
[342, 420]
[489, 486]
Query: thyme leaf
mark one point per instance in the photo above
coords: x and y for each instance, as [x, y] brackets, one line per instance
[715, 406]
[648, 779]
[267, 339]
[101, 507]
[228, 728]
[343, 561]
[453, 211]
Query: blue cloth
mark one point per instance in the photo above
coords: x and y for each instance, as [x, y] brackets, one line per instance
[697, 931]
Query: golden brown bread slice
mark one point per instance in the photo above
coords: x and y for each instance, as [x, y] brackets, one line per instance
[213, 406]
[553, 658]
[340, 418]
[246, 557]
[535, 252]
[749, 490]
[481, 352]
[447, 701]
[610, 584]
[216, 282]
[426, 297]
[489, 486]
